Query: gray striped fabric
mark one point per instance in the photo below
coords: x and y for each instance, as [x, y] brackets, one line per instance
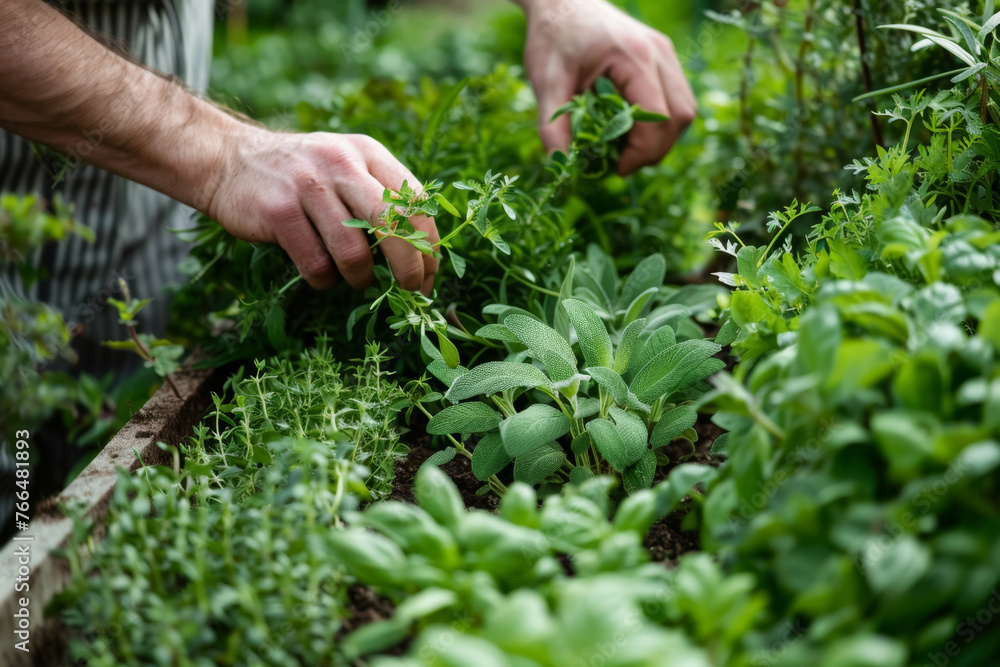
[131, 222]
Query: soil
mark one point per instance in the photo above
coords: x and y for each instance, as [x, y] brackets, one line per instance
[459, 469]
[365, 607]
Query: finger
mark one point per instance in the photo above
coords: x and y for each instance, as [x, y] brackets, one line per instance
[680, 98]
[299, 239]
[647, 142]
[553, 87]
[347, 245]
[364, 200]
[388, 171]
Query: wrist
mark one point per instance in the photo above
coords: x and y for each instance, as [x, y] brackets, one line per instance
[537, 8]
[178, 143]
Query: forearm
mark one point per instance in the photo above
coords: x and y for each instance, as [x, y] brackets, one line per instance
[532, 7]
[65, 90]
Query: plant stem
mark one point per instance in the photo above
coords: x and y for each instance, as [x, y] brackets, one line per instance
[523, 280]
[866, 73]
[443, 243]
[145, 354]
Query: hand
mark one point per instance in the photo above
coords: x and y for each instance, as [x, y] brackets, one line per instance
[573, 42]
[297, 189]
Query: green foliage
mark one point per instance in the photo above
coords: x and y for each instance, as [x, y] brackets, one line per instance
[313, 398]
[477, 588]
[239, 539]
[237, 580]
[866, 362]
[565, 410]
[34, 336]
[159, 354]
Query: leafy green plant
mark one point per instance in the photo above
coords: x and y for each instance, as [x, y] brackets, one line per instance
[231, 546]
[158, 353]
[971, 42]
[237, 580]
[598, 122]
[34, 337]
[612, 404]
[514, 602]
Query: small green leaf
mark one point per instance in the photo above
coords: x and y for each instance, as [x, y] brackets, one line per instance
[489, 457]
[618, 126]
[560, 321]
[639, 476]
[586, 407]
[609, 443]
[366, 555]
[727, 333]
[990, 25]
[643, 116]
[679, 483]
[633, 431]
[594, 339]
[614, 384]
[638, 305]
[662, 339]
[423, 246]
[446, 455]
[581, 443]
[445, 373]
[532, 428]
[626, 345]
[540, 338]
[357, 224]
[464, 418]
[579, 475]
[748, 264]
[535, 466]
[446, 205]
[494, 377]
[720, 446]
[457, 263]
[497, 332]
[438, 496]
[648, 273]
[449, 353]
[674, 369]
[672, 425]
[375, 637]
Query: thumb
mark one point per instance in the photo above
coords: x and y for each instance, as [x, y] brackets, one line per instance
[553, 92]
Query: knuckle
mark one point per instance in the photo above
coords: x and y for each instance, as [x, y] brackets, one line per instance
[365, 143]
[665, 43]
[410, 277]
[686, 114]
[316, 268]
[354, 257]
[277, 209]
[308, 181]
[640, 49]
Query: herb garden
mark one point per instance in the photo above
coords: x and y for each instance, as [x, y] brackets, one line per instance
[739, 409]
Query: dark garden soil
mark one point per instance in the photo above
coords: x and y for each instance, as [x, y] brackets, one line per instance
[459, 469]
[665, 541]
[364, 607]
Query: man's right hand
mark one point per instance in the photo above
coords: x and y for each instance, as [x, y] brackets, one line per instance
[297, 189]
[63, 89]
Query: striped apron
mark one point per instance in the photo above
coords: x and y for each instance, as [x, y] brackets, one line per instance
[131, 223]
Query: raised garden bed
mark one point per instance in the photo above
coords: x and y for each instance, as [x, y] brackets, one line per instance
[165, 418]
